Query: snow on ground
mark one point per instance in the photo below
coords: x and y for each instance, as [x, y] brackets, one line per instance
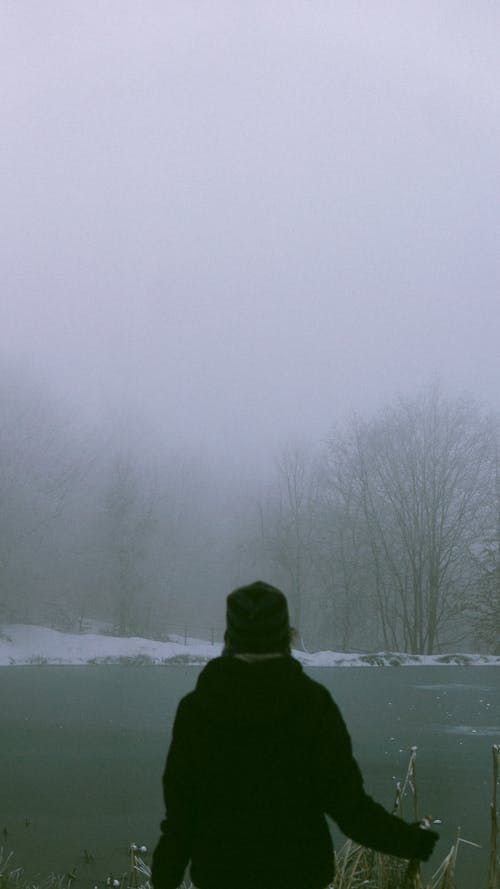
[26, 644]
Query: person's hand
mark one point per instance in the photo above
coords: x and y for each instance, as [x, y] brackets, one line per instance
[425, 839]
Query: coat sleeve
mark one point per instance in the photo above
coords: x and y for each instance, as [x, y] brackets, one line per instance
[345, 800]
[173, 851]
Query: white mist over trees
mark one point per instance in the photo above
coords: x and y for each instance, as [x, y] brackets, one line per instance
[389, 528]
[387, 535]
[289, 526]
[486, 600]
[37, 470]
[130, 521]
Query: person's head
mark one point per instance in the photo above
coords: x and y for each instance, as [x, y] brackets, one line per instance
[257, 620]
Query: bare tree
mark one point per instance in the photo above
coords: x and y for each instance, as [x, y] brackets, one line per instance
[342, 549]
[420, 475]
[130, 520]
[37, 468]
[288, 525]
[486, 601]
[142, 553]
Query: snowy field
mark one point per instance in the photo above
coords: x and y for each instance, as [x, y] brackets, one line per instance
[22, 644]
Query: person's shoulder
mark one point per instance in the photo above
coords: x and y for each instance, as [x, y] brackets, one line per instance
[314, 691]
[320, 699]
[315, 688]
[186, 707]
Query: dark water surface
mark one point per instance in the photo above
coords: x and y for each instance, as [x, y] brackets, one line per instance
[82, 750]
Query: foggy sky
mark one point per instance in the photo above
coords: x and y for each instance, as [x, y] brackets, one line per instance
[244, 220]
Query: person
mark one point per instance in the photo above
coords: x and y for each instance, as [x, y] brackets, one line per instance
[259, 754]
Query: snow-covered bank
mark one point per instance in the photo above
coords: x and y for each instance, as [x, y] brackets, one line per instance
[24, 644]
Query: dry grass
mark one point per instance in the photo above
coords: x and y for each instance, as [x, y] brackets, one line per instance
[358, 867]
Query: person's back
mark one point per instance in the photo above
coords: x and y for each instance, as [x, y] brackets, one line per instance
[259, 754]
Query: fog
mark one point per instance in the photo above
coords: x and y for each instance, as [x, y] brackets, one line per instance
[228, 226]
[249, 220]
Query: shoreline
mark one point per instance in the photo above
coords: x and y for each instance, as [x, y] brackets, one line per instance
[31, 645]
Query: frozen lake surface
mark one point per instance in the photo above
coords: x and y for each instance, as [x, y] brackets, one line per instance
[82, 751]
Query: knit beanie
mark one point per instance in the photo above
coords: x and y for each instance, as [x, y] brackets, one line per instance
[257, 619]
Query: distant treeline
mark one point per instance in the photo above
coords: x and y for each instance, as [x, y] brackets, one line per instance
[385, 535]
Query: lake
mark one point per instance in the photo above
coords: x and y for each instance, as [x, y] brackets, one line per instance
[82, 750]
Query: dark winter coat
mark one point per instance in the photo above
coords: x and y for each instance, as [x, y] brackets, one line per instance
[259, 754]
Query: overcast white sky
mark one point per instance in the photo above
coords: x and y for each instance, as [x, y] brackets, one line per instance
[250, 218]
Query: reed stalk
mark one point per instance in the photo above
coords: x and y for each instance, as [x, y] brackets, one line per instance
[494, 869]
